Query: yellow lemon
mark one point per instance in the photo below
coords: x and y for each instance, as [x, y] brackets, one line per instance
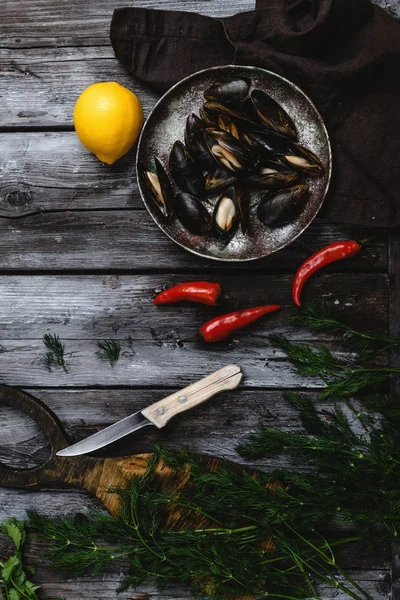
[108, 118]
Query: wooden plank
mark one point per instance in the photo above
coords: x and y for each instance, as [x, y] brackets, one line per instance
[108, 306]
[43, 84]
[214, 429]
[147, 363]
[129, 240]
[122, 308]
[47, 23]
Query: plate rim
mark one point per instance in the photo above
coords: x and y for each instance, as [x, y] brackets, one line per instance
[329, 169]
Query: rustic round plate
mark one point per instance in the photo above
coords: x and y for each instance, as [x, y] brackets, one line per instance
[166, 124]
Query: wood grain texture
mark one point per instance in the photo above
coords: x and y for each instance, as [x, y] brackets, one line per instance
[74, 214]
[44, 84]
[214, 429]
[129, 240]
[91, 307]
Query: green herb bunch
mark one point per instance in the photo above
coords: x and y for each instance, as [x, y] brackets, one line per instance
[14, 582]
[256, 540]
[356, 445]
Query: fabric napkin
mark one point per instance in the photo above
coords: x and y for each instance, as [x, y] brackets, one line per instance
[344, 54]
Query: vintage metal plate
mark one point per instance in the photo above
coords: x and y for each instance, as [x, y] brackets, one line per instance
[166, 124]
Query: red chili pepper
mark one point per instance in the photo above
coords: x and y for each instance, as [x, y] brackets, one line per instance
[220, 327]
[203, 292]
[325, 256]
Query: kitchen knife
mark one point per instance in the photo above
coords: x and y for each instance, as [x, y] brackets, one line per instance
[161, 412]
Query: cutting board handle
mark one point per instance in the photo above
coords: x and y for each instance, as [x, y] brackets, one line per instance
[225, 379]
[83, 472]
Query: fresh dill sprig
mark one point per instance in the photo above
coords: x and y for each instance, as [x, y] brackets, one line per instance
[341, 379]
[55, 356]
[244, 535]
[318, 316]
[109, 350]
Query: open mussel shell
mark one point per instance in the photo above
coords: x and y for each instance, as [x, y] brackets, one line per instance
[214, 109]
[228, 90]
[283, 206]
[229, 152]
[208, 118]
[226, 123]
[218, 179]
[272, 175]
[263, 109]
[303, 160]
[195, 142]
[271, 144]
[226, 218]
[158, 188]
[192, 214]
[185, 172]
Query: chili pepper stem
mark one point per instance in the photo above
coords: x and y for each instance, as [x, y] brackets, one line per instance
[366, 240]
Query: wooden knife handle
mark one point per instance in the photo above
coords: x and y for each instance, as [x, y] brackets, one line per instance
[161, 412]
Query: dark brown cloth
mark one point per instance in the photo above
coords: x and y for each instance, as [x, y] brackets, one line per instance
[344, 54]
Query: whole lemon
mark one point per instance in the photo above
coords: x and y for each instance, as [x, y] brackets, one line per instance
[108, 118]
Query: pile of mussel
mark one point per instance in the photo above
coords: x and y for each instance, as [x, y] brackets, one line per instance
[242, 141]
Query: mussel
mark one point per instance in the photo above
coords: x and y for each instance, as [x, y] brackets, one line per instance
[158, 188]
[225, 219]
[303, 159]
[226, 123]
[271, 175]
[263, 109]
[192, 214]
[219, 179]
[195, 142]
[283, 206]
[208, 119]
[271, 143]
[227, 150]
[185, 172]
[228, 90]
[213, 110]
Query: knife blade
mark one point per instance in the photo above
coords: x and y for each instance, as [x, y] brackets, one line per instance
[159, 413]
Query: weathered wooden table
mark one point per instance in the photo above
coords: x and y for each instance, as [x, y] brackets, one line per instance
[80, 257]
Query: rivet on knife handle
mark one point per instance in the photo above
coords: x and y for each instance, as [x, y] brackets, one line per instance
[161, 412]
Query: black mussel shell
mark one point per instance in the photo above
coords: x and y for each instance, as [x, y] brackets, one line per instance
[293, 154]
[226, 123]
[263, 109]
[208, 118]
[158, 188]
[267, 143]
[219, 179]
[213, 109]
[272, 175]
[302, 159]
[228, 90]
[185, 172]
[195, 142]
[225, 219]
[283, 206]
[192, 214]
[229, 152]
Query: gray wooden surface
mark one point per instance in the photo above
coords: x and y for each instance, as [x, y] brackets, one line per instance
[81, 258]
